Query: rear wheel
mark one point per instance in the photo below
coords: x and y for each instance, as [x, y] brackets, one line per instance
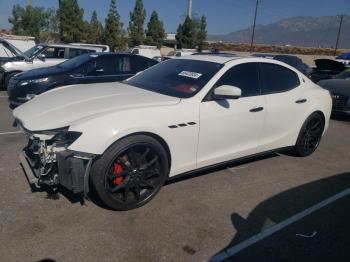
[310, 135]
[130, 173]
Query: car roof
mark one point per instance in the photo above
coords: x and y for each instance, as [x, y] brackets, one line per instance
[216, 58]
[71, 46]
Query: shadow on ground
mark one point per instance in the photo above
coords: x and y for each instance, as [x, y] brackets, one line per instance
[282, 207]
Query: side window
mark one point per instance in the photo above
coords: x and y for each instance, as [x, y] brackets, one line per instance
[139, 63]
[244, 76]
[104, 65]
[54, 52]
[123, 64]
[73, 52]
[112, 65]
[276, 78]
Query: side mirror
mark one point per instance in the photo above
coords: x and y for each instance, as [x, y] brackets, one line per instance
[227, 92]
[41, 57]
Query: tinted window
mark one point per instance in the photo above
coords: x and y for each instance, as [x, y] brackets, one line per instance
[75, 62]
[140, 63]
[176, 77]
[106, 65]
[54, 52]
[276, 78]
[73, 52]
[110, 65]
[122, 64]
[244, 76]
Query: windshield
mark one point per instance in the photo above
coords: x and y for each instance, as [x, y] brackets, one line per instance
[33, 51]
[76, 61]
[181, 78]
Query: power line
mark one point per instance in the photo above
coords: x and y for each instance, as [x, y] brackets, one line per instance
[256, 11]
[336, 44]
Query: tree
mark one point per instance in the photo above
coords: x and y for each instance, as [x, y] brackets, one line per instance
[155, 31]
[71, 21]
[28, 21]
[113, 33]
[51, 31]
[179, 37]
[137, 19]
[95, 30]
[201, 33]
[186, 34]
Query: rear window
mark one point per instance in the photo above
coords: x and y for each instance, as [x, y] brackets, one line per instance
[276, 78]
[181, 78]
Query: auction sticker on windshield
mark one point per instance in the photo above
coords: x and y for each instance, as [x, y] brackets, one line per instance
[190, 74]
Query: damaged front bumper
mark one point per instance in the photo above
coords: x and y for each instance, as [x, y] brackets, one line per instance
[53, 165]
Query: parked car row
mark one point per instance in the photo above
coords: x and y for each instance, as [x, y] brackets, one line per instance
[84, 69]
[125, 139]
[42, 55]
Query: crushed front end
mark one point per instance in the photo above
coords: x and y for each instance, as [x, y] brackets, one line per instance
[48, 161]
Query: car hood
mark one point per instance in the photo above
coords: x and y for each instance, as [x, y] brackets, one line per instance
[328, 64]
[40, 73]
[337, 86]
[66, 105]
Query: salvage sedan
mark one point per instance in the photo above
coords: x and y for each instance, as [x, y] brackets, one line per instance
[126, 139]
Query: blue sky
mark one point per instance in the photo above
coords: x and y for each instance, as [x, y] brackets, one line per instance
[223, 16]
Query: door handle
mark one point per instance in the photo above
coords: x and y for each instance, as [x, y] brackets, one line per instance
[256, 109]
[300, 101]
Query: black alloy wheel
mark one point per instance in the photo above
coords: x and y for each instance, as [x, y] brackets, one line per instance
[131, 172]
[310, 135]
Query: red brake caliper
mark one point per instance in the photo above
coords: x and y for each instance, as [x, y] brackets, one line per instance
[116, 171]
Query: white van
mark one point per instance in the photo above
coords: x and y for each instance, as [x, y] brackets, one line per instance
[145, 50]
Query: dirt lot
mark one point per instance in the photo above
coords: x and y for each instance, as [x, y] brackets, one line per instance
[191, 219]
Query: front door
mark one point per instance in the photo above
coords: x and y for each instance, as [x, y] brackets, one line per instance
[231, 128]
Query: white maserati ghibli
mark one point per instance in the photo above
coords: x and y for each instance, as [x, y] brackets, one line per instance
[124, 140]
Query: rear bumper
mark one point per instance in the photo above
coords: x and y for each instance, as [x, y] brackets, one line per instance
[70, 170]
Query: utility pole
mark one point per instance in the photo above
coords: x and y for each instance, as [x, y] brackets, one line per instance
[338, 35]
[189, 9]
[256, 12]
[29, 3]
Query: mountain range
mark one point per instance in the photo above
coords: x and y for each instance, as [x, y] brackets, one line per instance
[297, 31]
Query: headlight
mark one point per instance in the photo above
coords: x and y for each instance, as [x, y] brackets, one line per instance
[34, 81]
[65, 137]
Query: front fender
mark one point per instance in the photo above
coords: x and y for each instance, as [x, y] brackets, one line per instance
[99, 133]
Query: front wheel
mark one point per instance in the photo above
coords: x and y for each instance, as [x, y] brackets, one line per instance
[310, 135]
[130, 173]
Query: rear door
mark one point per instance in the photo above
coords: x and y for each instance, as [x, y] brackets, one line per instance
[231, 128]
[286, 105]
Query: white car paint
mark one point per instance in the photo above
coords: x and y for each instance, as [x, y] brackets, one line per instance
[224, 130]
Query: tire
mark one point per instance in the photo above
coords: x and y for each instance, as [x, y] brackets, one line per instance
[309, 136]
[130, 172]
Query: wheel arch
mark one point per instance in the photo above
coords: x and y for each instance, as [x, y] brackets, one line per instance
[150, 134]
